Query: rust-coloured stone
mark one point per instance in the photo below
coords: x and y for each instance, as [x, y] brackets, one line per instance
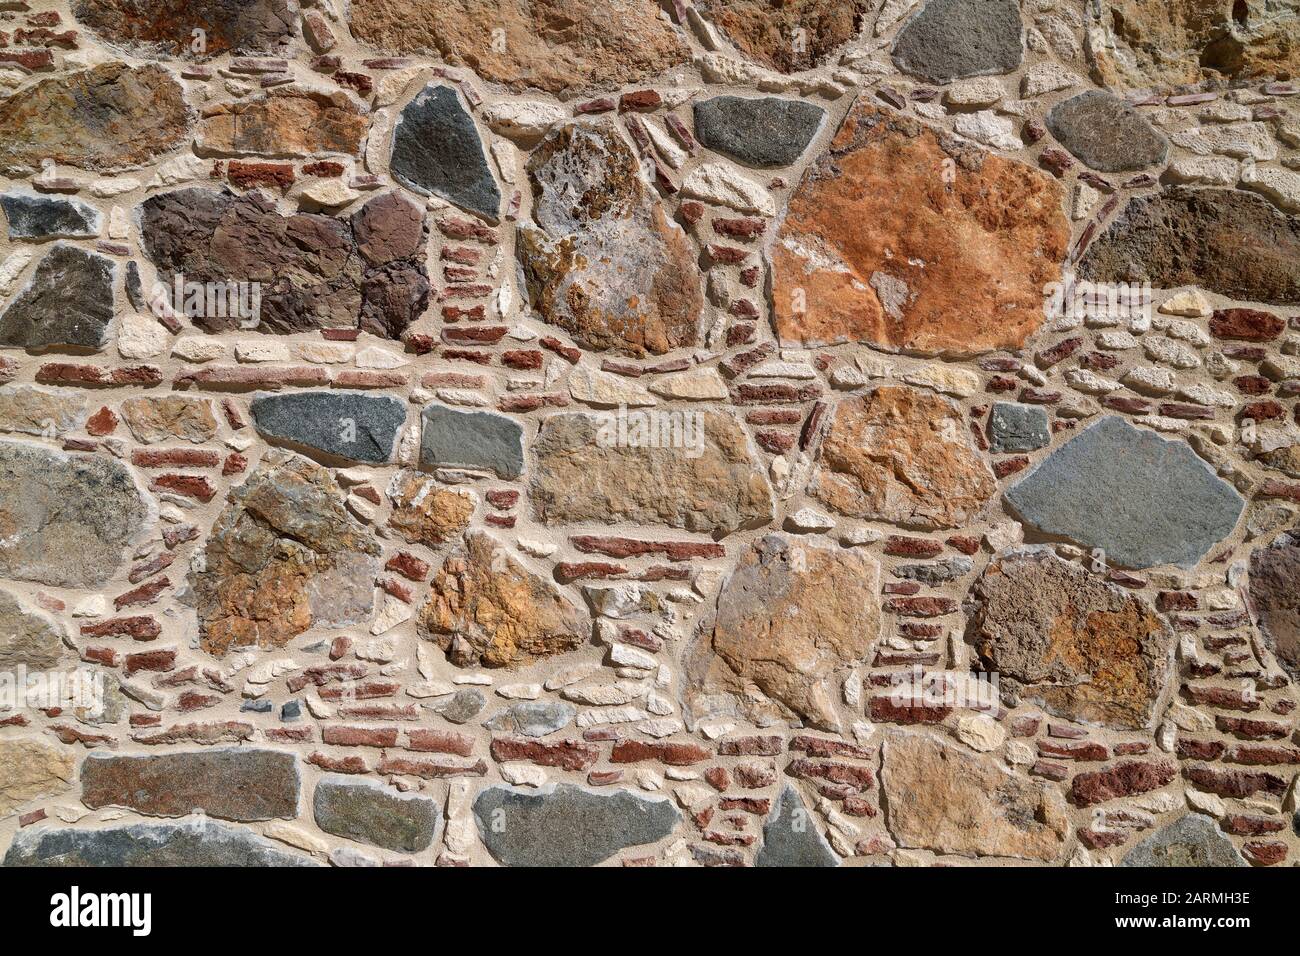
[905, 238]
[902, 455]
[283, 556]
[485, 608]
[425, 513]
[111, 117]
[787, 35]
[560, 46]
[285, 122]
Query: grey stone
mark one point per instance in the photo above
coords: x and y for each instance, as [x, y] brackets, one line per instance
[1275, 594]
[437, 151]
[1191, 840]
[49, 217]
[464, 705]
[951, 39]
[68, 520]
[27, 638]
[199, 842]
[1141, 499]
[566, 825]
[765, 131]
[371, 813]
[533, 718]
[1227, 241]
[1106, 133]
[479, 440]
[233, 784]
[349, 425]
[67, 302]
[790, 838]
[135, 287]
[936, 572]
[1014, 427]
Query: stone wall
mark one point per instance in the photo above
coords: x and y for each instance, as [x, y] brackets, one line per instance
[731, 433]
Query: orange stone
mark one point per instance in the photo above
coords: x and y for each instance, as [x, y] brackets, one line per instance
[909, 240]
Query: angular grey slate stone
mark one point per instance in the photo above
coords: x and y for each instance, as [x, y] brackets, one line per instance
[1014, 427]
[762, 131]
[481, 440]
[369, 812]
[68, 520]
[243, 783]
[1141, 499]
[436, 149]
[566, 825]
[952, 39]
[533, 718]
[1191, 840]
[198, 842]
[47, 217]
[68, 301]
[1106, 133]
[350, 425]
[791, 838]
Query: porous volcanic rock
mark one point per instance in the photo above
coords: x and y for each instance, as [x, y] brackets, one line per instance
[1068, 641]
[602, 261]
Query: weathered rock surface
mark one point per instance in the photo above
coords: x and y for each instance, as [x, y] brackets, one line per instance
[111, 117]
[1014, 427]
[287, 121]
[242, 27]
[904, 456]
[1190, 841]
[31, 769]
[49, 217]
[313, 271]
[66, 521]
[946, 799]
[1227, 241]
[36, 410]
[1106, 133]
[200, 842]
[162, 418]
[567, 825]
[1275, 593]
[952, 39]
[283, 556]
[619, 43]
[763, 29]
[486, 609]
[372, 813]
[602, 261]
[67, 302]
[1069, 641]
[790, 838]
[478, 440]
[534, 718]
[877, 247]
[1141, 499]
[790, 620]
[242, 784]
[437, 151]
[349, 425]
[758, 131]
[703, 477]
[1167, 43]
[426, 513]
[27, 638]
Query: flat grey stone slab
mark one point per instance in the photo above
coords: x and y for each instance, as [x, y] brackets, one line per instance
[350, 425]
